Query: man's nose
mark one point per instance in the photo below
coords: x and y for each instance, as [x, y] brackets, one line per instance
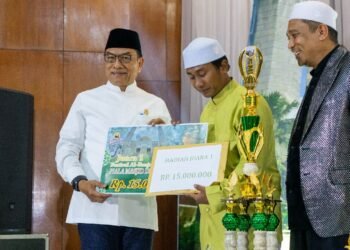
[117, 63]
[198, 83]
[290, 44]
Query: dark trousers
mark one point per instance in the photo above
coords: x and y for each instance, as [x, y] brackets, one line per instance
[309, 240]
[105, 237]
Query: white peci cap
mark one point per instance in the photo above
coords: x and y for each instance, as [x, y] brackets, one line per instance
[315, 11]
[202, 50]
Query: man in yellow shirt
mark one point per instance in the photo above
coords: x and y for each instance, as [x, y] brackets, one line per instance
[207, 68]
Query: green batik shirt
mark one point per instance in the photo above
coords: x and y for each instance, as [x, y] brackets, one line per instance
[223, 113]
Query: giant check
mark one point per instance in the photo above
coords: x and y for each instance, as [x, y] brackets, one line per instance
[129, 149]
[176, 169]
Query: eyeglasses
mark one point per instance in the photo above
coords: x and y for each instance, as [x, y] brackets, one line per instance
[112, 58]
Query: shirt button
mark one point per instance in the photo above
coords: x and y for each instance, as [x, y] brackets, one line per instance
[207, 209]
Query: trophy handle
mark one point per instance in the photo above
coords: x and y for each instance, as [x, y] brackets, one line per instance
[250, 61]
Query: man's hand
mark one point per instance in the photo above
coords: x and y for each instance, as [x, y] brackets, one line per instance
[88, 187]
[156, 121]
[201, 196]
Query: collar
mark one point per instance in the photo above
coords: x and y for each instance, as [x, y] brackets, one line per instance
[129, 89]
[224, 92]
[320, 67]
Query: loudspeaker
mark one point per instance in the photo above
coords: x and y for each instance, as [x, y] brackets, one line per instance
[24, 242]
[16, 161]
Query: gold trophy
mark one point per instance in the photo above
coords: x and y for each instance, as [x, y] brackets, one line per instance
[250, 143]
[250, 136]
[254, 192]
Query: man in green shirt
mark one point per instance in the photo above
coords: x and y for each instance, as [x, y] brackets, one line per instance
[207, 68]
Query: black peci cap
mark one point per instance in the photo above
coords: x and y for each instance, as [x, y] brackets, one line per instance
[123, 38]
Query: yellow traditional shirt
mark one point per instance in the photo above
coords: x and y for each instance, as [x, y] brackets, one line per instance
[223, 113]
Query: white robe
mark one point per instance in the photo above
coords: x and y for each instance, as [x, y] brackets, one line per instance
[81, 146]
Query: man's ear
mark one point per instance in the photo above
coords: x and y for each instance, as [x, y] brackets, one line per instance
[140, 61]
[322, 31]
[225, 66]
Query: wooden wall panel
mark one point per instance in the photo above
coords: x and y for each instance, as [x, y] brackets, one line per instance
[166, 237]
[149, 19]
[69, 232]
[40, 74]
[88, 22]
[36, 24]
[173, 41]
[82, 71]
[99, 17]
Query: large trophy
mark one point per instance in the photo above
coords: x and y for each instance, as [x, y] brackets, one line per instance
[256, 188]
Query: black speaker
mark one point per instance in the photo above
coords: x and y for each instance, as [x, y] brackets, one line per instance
[24, 242]
[16, 161]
